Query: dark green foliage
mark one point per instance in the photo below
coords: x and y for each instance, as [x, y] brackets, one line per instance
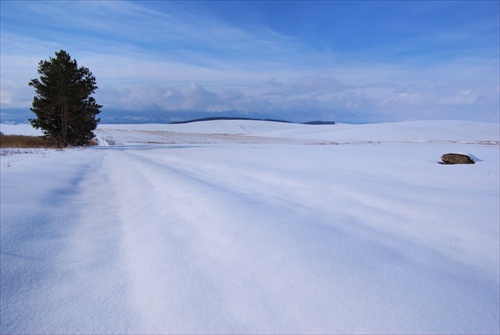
[63, 106]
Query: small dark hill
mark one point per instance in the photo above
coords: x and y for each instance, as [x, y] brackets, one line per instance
[216, 118]
[319, 122]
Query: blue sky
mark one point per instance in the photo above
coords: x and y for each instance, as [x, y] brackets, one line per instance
[348, 61]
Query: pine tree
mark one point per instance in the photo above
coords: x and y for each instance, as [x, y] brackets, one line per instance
[64, 109]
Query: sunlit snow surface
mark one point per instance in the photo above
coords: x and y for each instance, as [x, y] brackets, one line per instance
[254, 227]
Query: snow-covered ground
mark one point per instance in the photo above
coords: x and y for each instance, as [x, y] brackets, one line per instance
[275, 132]
[254, 227]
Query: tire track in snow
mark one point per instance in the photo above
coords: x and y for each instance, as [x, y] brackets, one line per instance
[96, 254]
[233, 260]
[167, 291]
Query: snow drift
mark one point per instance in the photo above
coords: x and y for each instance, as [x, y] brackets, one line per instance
[257, 230]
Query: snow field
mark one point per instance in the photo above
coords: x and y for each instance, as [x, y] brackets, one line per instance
[252, 238]
[257, 132]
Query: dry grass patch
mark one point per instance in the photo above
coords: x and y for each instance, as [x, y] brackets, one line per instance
[23, 141]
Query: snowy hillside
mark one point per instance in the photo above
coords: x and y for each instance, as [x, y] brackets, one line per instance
[244, 131]
[254, 227]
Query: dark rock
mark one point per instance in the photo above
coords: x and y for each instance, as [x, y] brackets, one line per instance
[456, 159]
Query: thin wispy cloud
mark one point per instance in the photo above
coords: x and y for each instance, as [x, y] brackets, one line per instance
[385, 61]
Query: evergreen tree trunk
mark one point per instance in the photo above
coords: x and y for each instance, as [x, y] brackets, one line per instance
[64, 126]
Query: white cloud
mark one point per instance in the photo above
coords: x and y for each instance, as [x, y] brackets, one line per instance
[462, 97]
[13, 96]
[146, 59]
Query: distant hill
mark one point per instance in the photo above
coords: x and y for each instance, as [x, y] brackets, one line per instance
[217, 118]
[320, 122]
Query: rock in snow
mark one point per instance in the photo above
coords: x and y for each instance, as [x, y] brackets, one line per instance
[457, 159]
